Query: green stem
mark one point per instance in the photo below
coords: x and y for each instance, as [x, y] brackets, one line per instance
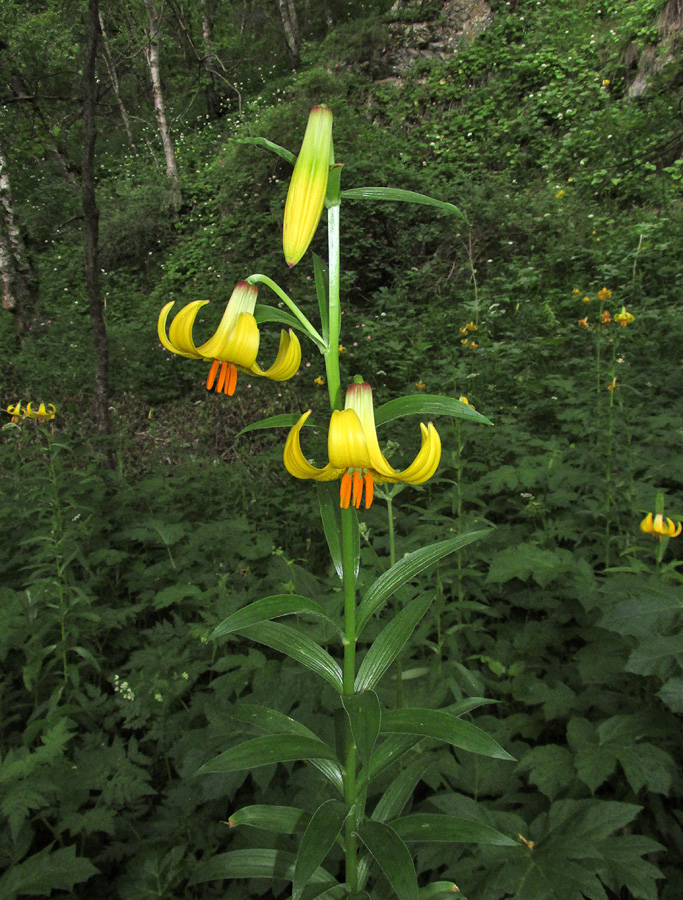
[332, 352]
[608, 466]
[312, 332]
[349, 526]
[392, 560]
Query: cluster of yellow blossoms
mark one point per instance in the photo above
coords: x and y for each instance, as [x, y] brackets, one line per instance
[622, 318]
[467, 330]
[42, 414]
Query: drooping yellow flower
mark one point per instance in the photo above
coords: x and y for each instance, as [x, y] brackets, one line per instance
[320, 381]
[235, 343]
[43, 414]
[308, 186]
[603, 293]
[471, 326]
[583, 323]
[420, 385]
[576, 291]
[465, 341]
[657, 528]
[624, 318]
[354, 452]
[605, 317]
[341, 350]
[464, 400]
[16, 412]
[586, 299]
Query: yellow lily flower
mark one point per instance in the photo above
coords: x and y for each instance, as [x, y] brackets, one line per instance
[624, 318]
[42, 414]
[354, 453]
[656, 527]
[235, 343]
[464, 399]
[16, 412]
[308, 186]
[604, 294]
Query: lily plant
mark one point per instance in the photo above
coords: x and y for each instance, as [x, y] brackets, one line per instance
[373, 737]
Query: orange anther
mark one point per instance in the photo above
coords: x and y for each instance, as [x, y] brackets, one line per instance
[231, 380]
[369, 490]
[212, 374]
[345, 491]
[221, 377]
[357, 489]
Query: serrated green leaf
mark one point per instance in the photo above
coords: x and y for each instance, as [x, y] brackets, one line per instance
[437, 827]
[45, 872]
[392, 856]
[405, 569]
[264, 313]
[365, 717]
[267, 750]
[397, 195]
[389, 642]
[427, 405]
[270, 608]
[280, 819]
[321, 833]
[441, 725]
[299, 647]
[268, 145]
[550, 768]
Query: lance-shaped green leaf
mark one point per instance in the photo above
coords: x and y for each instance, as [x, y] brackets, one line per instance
[257, 863]
[321, 833]
[268, 145]
[440, 890]
[390, 581]
[437, 827]
[267, 750]
[389, 751]
[280, 819]
[400, 791]
[321, 280]
[390, 641]
[270, 608]
[299, 647]
[400, 196]
[392, 856]
[274, 722]
[285, 420]
[328, 500]
[443, 726]
[427, 405]
[365, 717]
[263, 313]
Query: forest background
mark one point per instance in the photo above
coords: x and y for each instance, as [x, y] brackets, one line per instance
[139, 517]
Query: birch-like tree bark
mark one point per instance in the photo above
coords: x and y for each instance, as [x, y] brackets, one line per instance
[91, 218]
[114, 78]
[290, 25]
[152, 56]
[19, 282]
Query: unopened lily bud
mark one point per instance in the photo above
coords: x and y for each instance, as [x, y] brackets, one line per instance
[308, 186]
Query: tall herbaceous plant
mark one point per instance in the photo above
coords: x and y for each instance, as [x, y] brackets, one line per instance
[371, 740]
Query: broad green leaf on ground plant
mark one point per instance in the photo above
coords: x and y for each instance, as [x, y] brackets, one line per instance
[427, 405]
[437, 827]
[365, 717]
[526, 561]
[389, 642]
[286, 420]
[280, 819]
[618, 740]
[321, 281]
[270, 608]
[274, 722]
[258, 863]
[657, 655]
[651, 612]
[390, 581]
[398, 195]
[328, 500]
[550, 768]
[263, 313]
[300, 647]
[671, 693]
[392, 856]
[442, 726]
[266, 750]
[321, 833]
[400, 790]
[268, 145]
[47, 871]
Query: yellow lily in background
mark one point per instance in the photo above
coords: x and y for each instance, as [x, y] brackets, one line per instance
[354, 453]
[16, 412]
[308, 186]
[624, 318]
[656, 527]
[235, 343]
[43, 414]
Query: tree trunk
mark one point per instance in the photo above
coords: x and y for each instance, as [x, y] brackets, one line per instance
[91, 219]
[20, 294]
[152, 57]
[290, 26]
[113, 77]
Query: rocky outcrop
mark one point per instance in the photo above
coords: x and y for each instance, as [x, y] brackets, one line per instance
[655, 58]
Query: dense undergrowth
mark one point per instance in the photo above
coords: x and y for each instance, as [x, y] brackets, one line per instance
[566, 615]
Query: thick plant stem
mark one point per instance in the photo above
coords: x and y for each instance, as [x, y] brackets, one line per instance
[264, 279]
[348, 540]
[332, 355]
[392, 560]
